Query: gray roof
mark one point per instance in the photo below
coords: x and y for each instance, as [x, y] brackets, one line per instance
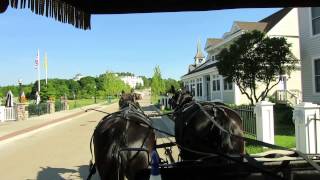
[250, 26]
[274, 18]
[213, 41]
[201, 68]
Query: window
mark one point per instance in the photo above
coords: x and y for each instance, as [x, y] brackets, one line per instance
[215, 83]
[199, 87]
[227, 85]
[213, 58]
[315, 17]
[200, 60]
[317, 75]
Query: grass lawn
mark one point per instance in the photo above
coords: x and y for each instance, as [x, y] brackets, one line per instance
[284, 136]
[84, 102]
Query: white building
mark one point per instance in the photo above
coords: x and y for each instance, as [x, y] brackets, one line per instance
[309, 26]
[132, 81]
[203, 78]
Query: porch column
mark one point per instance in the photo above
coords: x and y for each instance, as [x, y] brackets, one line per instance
[264, 121]
[203, 89]
[221, 88]
[196, 89]
[307, 127]
[210, 89]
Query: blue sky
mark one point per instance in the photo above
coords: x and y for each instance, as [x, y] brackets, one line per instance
[127, 43]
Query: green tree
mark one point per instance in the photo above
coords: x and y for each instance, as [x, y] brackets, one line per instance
[110, 85]
[157, 84]
[146, 82]
[87, 85]
[171, 82]
[256, 60]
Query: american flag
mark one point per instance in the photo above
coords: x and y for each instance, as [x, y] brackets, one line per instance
[37, 61]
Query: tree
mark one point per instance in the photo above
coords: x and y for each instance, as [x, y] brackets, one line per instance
[171, 82]
[88, 85]
[157, 84]
[255, 59]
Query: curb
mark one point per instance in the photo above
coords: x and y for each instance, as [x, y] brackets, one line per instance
[40, 127]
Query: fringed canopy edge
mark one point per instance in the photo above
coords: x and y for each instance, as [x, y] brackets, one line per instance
[57, 9]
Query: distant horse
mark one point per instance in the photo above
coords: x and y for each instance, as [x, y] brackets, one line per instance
[195, 131]
[126, 99]
[127, 128]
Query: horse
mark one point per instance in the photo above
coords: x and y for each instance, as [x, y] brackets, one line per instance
[195, 130]
[115, 133]
[126, 99]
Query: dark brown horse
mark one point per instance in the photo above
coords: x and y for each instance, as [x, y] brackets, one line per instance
[194, 129]
[127, 128]
[126, 99]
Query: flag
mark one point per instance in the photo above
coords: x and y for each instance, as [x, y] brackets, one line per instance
[37, 61]
[46, 62]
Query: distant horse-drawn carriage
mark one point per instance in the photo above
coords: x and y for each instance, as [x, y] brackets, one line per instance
[208, 135]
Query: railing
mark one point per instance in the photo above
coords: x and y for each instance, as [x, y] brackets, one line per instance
[292, 97]
[248, 117]
[9, 114]
[37, 109]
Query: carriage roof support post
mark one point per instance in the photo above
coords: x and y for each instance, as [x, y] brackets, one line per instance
[264, 121]
[307, 127]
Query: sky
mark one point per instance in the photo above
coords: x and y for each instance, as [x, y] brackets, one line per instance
[120, 43]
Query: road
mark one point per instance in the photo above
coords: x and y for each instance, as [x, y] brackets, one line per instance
[60, 152]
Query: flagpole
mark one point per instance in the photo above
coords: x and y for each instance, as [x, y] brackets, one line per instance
[46, 66]
[39, 72]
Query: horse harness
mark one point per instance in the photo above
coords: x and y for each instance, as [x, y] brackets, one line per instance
[127, 114]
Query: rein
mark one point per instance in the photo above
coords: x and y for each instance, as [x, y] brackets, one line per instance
[312, 163]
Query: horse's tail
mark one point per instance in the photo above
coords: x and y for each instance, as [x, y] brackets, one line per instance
[92, 166]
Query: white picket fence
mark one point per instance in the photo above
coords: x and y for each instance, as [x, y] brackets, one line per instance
[7, 114]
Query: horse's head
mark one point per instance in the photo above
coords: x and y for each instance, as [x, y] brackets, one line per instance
[127, 99]
[179, 98]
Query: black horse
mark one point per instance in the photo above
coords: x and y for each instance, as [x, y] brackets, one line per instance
[113, 138]
[195, 130]
[128, 98]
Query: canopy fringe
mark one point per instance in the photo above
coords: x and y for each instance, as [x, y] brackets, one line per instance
[57, 9]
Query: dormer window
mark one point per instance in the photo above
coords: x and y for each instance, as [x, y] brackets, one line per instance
[200, 60]
[213, 58]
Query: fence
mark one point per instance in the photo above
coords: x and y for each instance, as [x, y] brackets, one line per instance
[248, 117]
[9, 114]
[37, 109]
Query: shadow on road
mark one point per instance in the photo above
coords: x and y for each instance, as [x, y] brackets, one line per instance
[80, 172]
[163, 123]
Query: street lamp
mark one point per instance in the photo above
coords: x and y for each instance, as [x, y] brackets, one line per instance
[74, 98]
[95, 94]
[20, 88]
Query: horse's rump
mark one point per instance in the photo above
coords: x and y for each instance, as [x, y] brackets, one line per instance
[123, 129]
[194, 130]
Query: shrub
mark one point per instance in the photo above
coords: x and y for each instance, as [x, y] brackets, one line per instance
[283, 114]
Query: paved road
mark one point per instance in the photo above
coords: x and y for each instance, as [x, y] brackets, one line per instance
[60, 152]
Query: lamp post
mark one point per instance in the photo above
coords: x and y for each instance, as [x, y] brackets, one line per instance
[95, 94]
[20, 88]
[74, 98]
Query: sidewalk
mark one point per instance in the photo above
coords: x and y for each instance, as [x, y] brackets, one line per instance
[14, 128]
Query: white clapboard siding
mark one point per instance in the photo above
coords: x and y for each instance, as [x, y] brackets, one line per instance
[310, 50]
